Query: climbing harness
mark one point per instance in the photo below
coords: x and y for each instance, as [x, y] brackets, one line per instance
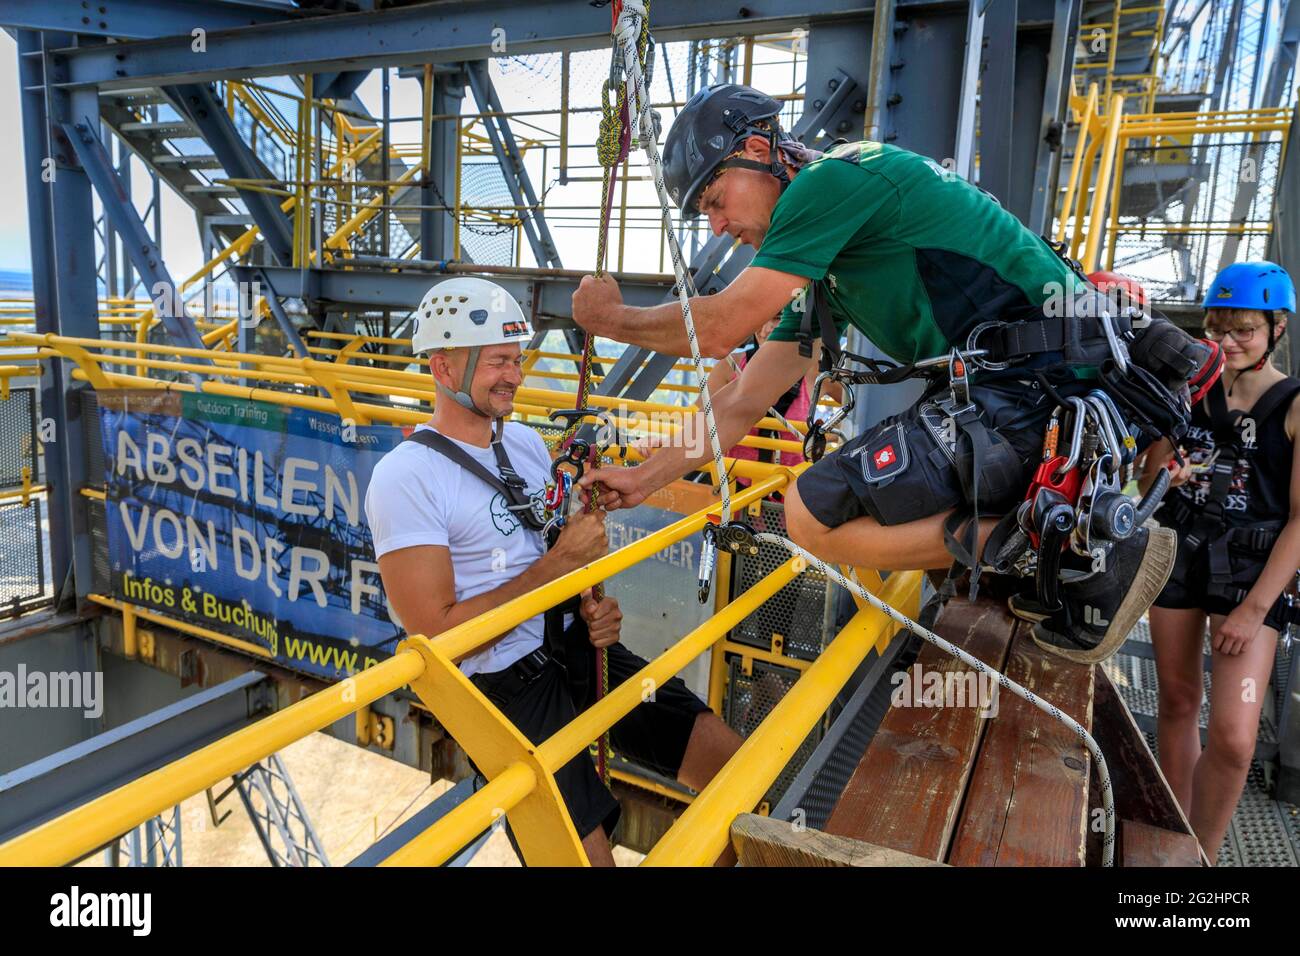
[1233, 553]
[632, 23]
[532, 512]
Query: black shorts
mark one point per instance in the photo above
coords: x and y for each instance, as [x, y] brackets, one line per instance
[907, 467]
[655, 733]
[1188, 588]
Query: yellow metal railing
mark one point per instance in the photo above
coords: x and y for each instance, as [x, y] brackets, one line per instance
[344, 386]
[520, 774]
[1089, 218]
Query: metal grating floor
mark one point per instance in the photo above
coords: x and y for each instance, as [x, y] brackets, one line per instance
[1264, 831]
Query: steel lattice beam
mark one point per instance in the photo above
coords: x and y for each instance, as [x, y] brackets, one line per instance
[440, 33]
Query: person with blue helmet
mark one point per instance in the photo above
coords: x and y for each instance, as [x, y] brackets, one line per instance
[1235, 507]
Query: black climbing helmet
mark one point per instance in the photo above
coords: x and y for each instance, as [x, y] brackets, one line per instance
[711, 126]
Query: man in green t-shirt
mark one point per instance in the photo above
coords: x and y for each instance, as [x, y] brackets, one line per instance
[919, 260]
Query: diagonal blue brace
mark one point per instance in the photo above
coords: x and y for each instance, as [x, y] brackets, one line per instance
[281, 317]
[145, 255]
[239, 162]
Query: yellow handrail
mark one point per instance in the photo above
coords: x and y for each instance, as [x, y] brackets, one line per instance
[82, 829]
[340, 381]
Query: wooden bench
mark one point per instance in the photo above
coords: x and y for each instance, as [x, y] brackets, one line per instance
[959, 775]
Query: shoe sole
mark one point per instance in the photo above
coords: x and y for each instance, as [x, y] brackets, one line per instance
[1153, 573]
[1032, 617]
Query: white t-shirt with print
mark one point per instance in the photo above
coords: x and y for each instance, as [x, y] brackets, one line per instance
[420, 497]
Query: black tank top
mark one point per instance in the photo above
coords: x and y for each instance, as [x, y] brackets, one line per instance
[1260, 489]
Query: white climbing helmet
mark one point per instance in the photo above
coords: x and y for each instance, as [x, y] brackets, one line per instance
[467, 312]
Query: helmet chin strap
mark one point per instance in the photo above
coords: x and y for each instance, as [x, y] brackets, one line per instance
[462, 396]
[775, 166]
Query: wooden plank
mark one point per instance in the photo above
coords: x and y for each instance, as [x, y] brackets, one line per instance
[762, 841]
[1027, 802]
[1145, 845]
[1141, 791]
[907, 789]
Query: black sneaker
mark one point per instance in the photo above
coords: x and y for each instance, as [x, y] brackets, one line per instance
[1101, 608]
[1027, 608]
[1025, 604]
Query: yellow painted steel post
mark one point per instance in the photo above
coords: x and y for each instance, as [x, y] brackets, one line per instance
[622, 216]
[702, 832]
[1112, 231]
[540, 819]
[564, 116]
[1089, 110]
[1112, 48]
[1096, 216]
[1081, 200]
[718, 659]
[130, 647]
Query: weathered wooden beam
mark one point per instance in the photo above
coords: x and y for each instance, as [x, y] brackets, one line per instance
[907, 790]
[1027, 801]
[1145, 845]
[763, 841]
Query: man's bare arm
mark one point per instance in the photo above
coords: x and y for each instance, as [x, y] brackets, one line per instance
[722, 321]
[736, 409]
[421, 583]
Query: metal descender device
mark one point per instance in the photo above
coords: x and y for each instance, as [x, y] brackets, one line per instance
[1076, 499]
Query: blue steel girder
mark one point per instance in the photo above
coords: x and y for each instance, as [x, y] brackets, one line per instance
[36, 155]
[239, 162]
[49, 787]
[144, 252]
[437, 183]
[443, 32]
[62, 214]
[338, 86]
[143, 19]
[539, 296]
[280, 316]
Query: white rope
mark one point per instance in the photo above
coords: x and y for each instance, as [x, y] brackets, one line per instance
[626, 33]
[1107, 797]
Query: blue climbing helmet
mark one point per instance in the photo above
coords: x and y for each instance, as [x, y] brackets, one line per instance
[1263, 286]
[1251, 285]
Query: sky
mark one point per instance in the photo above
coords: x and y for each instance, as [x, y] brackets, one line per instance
[181, 249]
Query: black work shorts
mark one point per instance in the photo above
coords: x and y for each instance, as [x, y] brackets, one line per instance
[655, 733]
[1188, 588]
[908, 467]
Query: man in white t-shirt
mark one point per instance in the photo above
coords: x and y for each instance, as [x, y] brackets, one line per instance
[453, 514]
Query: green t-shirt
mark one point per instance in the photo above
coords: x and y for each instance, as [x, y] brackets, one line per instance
[912, 254]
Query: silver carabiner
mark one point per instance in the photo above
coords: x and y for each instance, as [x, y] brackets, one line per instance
[1122, 431]
[1104, 425]
[1117, 349]
[1076, 433]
